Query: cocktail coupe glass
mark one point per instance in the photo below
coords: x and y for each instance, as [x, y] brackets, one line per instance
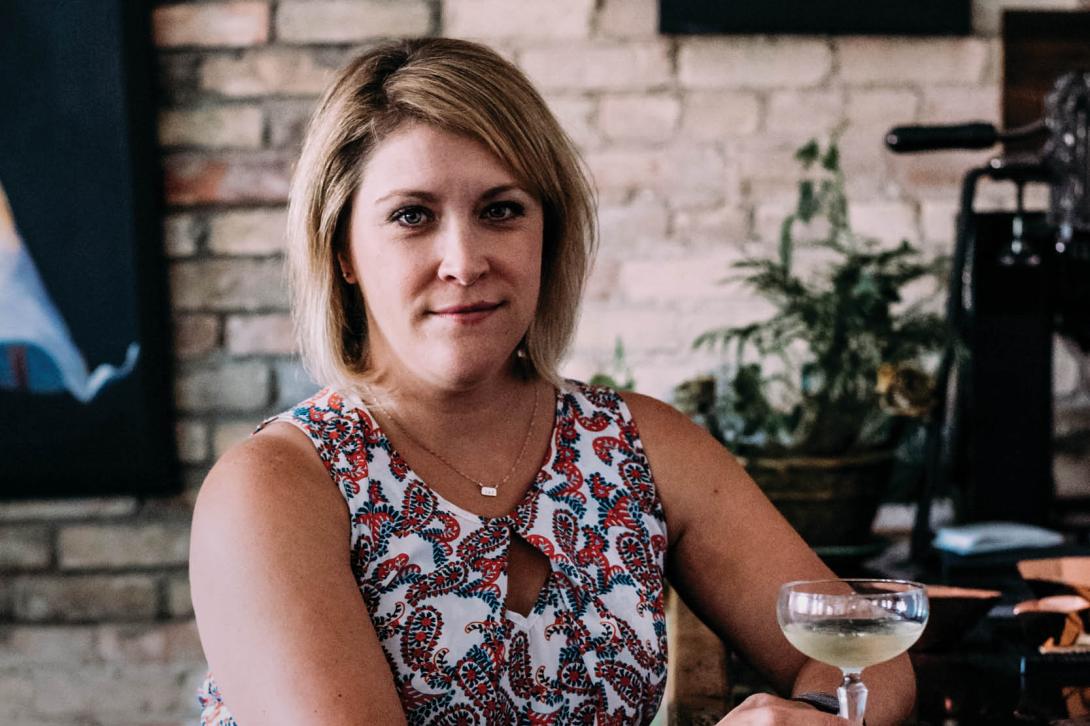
[852, 624]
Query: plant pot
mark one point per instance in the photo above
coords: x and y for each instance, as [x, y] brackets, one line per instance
[828, 500]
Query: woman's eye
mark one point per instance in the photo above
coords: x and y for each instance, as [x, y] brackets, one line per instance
[410, 216]
[502, 211]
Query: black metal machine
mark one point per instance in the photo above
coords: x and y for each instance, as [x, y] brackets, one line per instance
[1017, 278]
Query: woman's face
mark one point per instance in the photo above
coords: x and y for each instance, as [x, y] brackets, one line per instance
[446, 247]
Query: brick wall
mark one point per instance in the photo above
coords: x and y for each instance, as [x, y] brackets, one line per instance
[690, 142]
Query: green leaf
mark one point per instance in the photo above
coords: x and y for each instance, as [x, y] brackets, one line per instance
[786, 245]
[808, 153]
[831, 160]
[808, 202]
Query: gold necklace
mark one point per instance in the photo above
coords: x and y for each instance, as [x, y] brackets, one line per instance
[487, 490]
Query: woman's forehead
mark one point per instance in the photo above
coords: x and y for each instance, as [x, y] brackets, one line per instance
[423, 158]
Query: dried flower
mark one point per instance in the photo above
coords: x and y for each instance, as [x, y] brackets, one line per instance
[905, 390]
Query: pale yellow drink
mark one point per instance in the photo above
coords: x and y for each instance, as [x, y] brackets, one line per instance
[853, 644]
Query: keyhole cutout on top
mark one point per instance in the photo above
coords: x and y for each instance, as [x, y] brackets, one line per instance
[527, 572]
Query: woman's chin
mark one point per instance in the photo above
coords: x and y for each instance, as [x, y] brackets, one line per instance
[460, 372]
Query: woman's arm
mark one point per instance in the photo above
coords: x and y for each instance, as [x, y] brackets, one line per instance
[730, 551]
[281, 619]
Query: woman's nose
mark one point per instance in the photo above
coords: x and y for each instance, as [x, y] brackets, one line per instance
[463, 259]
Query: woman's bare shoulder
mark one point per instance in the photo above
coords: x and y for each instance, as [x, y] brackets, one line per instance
[277, 605]
[675, 446]
[271, 471]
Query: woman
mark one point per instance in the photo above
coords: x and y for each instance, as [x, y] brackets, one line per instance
[440, 233]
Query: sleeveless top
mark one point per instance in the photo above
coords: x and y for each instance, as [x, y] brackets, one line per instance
[433, 576]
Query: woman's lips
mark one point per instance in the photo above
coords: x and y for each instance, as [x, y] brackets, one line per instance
[472, 313]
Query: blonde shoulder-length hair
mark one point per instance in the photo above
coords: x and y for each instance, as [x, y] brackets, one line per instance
[457, 86]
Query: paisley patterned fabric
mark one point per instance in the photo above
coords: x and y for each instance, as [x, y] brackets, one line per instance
[434, 576]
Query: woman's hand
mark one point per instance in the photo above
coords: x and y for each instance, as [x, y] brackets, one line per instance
[765, 709]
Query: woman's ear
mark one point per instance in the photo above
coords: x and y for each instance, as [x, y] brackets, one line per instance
[347, 272]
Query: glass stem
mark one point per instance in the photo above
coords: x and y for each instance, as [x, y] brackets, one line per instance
[853, 697]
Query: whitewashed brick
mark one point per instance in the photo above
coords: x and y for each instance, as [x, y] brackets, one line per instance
[887, 221]
[123, 545]
[675, 329]
[269, 72]
[247, 231]
[635, 66]
[228, 284]
[768, 220]
[350, 21]
[937, 219]
[882, 107]
[628, 19]
[84, 598]
[708, 116]
[180, 234]
[875, 59]
[603, 278]
[52, 510]
[179, 598]
[229, 386]
[229, 433]
[191, 437]
[958, 104]
[693, 277]
[225, 24]
[218, 127]
[146, 643]
[643, 217]
[768, 157]
[47, 644]
[805, 113]
[575, 115]
[16, 693]
[645, 117]
[259, 334]
[935, 174]
[667, 170]
[154, 691]
[988, 14]
[753, 62]
[600, 325]
[27, 547]
[728, 224]
[489, 19]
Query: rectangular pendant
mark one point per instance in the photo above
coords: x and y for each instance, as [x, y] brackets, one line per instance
[488, 491]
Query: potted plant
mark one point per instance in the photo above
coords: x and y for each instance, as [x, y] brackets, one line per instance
[815, 397]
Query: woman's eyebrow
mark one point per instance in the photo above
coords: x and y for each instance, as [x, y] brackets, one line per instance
[414, 193]
[503, 189]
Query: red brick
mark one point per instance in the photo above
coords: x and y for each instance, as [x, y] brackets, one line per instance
[228, 285]
[231, 386]
[226, 24]
[85, 598]
[491, 19]
[257, 334]
[192, 179]
[270, 71]
[235, 126]
[350, 21]
[195, 335]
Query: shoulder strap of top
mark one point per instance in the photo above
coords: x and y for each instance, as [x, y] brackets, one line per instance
[320, 417]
